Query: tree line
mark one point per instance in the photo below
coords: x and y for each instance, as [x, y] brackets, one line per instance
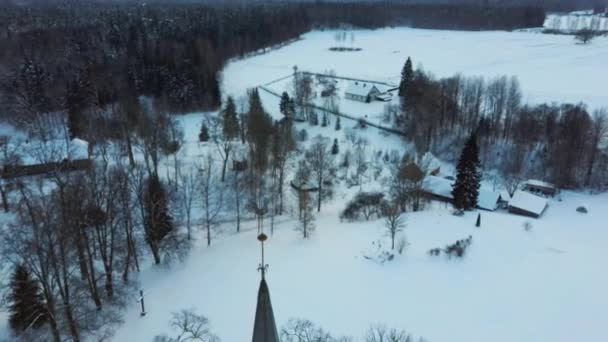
[562, 143]
[73, 56]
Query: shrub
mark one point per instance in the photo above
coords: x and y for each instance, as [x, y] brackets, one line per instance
[457, 249]
[364, 204]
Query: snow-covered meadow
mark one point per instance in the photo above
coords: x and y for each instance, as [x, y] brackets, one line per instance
[550, 68]
[514, 285]
[547, 284]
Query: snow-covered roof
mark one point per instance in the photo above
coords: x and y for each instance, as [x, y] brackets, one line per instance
[528, 202]
[360, 88]
[488, 199]
[438, 186]
[385, 96]
[539, 183]
[504, 195]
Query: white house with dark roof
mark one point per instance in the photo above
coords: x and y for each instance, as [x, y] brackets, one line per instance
[361, 91]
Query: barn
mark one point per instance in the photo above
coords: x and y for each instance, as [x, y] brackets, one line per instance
[527, 204]
[540, 187]
[361, 91]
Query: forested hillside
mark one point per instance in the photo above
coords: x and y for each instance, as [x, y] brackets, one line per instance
[81, 55]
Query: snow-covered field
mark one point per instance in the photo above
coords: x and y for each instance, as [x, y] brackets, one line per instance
[549, 67]
[543, 285]
[547, 284]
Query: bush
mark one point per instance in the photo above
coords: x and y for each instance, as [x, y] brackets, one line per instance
[364, 204]
[581, 209]
[457, 249]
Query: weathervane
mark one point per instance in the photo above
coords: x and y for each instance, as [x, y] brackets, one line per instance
[262, 267]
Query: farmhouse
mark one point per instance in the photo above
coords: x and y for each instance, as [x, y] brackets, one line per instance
[527, 204]
[540, 187]
[361, 91]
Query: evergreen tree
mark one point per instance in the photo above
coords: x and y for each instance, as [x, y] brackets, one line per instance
[466, 188]
[203, 136]
[26, 307]
[158, 222]
[285, 105]
[334, 148]
[231, 121]
[74, 106]
[324, 120]
[338, 126]
[259, 131]
[407, 75]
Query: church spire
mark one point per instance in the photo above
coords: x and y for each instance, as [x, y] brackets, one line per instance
[264, 327]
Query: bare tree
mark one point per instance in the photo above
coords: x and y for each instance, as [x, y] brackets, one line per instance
[321, 162]
[188, 195]
[303, 93]
[303, 330]
[599, 137]
[306, 216]
[394, 222]
[211, 195]
[223, 143]
[283, 146]
[380, 333]
[190, 326]
[511, 183]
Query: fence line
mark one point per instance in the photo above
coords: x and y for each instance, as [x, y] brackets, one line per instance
[392, 86]
[337, 113]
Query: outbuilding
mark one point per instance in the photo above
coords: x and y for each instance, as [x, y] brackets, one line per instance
[527, 204]
[540, 187]
[361, 91]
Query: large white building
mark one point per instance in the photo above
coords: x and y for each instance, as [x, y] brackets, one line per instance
[361, 91]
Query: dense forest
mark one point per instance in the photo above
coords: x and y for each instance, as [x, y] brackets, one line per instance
[73, 56]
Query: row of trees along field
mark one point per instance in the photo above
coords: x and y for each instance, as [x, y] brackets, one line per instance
[563, 143]
[74, 56]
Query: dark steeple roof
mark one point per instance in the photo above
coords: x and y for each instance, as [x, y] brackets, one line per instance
[264, 328]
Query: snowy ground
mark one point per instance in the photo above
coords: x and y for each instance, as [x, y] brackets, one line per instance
[544, 285]
[549, 67]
